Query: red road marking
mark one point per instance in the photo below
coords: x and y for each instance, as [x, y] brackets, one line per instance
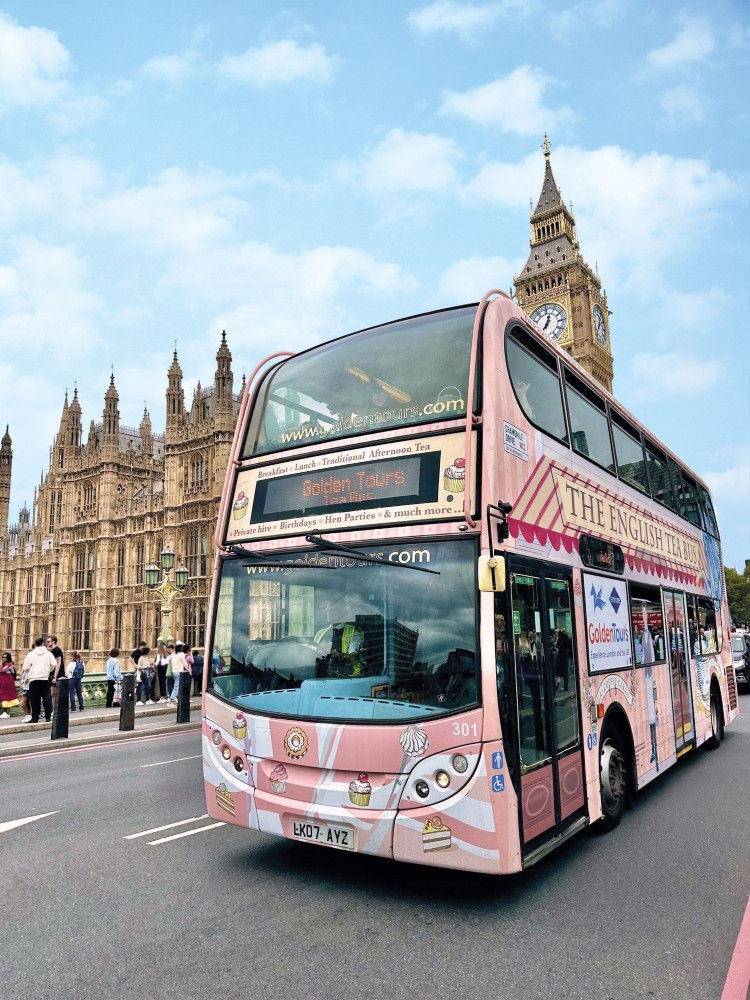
[90, 746]
[738, 978]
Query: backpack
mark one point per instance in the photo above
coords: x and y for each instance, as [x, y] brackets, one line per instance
[78, 670]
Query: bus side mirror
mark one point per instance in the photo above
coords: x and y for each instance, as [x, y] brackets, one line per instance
[491, 574]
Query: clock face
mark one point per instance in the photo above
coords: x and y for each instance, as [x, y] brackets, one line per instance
[600, 326]
[551, 319]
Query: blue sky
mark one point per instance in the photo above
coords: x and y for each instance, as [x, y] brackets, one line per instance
[290, 172]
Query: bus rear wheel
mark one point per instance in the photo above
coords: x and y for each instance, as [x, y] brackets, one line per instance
[613, 776]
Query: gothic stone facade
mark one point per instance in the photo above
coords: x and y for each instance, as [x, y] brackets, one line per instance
[104, 510]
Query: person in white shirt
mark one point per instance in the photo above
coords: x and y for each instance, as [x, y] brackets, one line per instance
[40, 663]
[179, 666]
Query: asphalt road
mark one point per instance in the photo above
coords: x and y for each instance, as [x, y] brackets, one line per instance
[651, 910]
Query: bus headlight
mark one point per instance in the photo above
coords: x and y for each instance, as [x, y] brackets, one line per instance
[435, 778]
[422, 789]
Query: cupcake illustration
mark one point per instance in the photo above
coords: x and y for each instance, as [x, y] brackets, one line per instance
[414, 741]
[278, 777]
[360, 790]
[454, 477]
[239, 727]
[240, 506]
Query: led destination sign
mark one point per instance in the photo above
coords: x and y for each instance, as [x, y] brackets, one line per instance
[411, 479]
[397, 482]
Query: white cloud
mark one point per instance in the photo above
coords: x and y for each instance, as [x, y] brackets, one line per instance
[44, 308]
[257, 273]
[509, 184]
[466, 20]
[281, 62]
[696, 311]
[469, 279]
[175, 68]
[169, 68]
[684, 105]
[514, 104]
[33, 64]
[692, 44]
[579, 16]
[731, 487]
[60, 189]
[674, 374]
[177, 213]
[410, 161]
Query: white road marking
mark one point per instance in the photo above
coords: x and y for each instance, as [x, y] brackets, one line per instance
[19, 758]
[175, 761]
[13, 823]
[187, 833]
[168, 826]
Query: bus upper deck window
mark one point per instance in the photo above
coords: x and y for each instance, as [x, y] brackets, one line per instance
[535, 380]
[589, 427]
[631, 462]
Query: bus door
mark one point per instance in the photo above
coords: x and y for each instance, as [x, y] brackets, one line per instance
[547, 730]
[678, 650]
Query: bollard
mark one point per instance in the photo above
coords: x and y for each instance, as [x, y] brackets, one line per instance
[127, 705]
[61, 716]
[183, 698]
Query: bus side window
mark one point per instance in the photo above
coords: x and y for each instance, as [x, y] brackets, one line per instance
[589, 427]
[536, 383]
[631, 463]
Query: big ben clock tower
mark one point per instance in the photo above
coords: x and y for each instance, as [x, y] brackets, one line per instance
[558, 289]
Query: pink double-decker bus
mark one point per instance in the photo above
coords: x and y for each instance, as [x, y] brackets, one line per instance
[464, 604]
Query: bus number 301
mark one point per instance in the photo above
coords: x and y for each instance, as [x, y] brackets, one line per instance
[465, 729]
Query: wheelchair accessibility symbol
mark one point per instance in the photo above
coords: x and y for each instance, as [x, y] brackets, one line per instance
[498, 782]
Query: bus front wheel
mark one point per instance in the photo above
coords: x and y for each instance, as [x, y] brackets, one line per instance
[613, 773]
[717, 722]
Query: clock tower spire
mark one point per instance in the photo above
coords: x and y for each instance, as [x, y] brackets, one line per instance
[558, 289]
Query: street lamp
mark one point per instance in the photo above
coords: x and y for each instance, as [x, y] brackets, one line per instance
[166, 589]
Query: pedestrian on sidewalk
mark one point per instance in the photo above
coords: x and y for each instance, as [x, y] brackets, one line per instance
[114, 674]
[145, 675]
[197, 671]
[42, 665]
[59, 669]
[179, 667]
[170, 675]
[161, 663]
[74, 672]
[8, 693]
[135, 656]
[25, 703]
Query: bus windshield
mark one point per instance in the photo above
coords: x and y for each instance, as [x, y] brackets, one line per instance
[327, 636]
[390, 376]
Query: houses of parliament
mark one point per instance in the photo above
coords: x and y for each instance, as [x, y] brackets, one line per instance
[75, 565]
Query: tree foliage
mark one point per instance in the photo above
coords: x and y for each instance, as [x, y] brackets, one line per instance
[738, 595]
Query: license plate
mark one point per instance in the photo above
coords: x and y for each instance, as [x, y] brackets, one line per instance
[324, 833]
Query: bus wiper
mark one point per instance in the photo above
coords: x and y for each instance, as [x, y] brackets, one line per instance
[262, 560]
[315, 538]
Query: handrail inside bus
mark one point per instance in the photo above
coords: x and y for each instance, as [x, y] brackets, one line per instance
[237, 444]
[470, 417]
